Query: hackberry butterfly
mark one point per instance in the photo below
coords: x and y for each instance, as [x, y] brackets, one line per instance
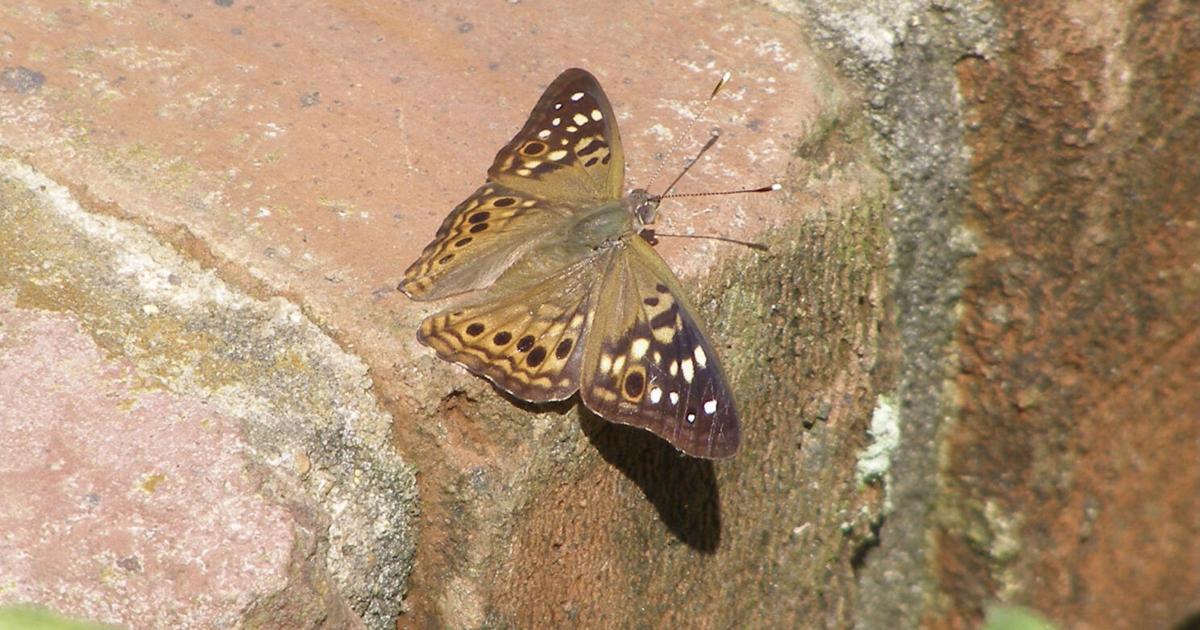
[570, 296]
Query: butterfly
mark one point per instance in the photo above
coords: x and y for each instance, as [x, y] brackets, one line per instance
[568, 296]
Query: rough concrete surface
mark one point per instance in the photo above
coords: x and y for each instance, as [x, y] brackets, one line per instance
[963, 365]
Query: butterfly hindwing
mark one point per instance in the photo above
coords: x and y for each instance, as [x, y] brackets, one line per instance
[527, 341]
[569, 148]
[648, 361]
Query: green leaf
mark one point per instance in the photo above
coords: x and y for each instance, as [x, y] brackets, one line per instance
[24, 618]
[1001, 617]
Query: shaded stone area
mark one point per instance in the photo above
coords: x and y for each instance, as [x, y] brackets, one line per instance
[1047, 241]
[770, 536]
[1076, 483]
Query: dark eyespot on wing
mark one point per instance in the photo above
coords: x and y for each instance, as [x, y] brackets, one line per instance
[634, 383]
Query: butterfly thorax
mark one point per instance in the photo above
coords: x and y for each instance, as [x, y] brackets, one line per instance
[613, 222]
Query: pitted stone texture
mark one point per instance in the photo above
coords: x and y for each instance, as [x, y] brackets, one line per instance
[120, 501]
[311, 438]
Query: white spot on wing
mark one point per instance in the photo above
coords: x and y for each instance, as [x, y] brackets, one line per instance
[691, 417]
[701, 358]
[655, 395]
[556, 121]
[576, 96]
[596, 115]
[543, 134]
[674, 398]
[710, 407]
[686, 366]
[557, 155]
[580, 119]
[638, 348]
[605, 363]
[618, 364]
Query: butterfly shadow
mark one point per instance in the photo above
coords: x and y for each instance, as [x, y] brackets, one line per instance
[682, 489]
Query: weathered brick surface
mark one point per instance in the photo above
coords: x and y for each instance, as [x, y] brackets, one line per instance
[1076, 460]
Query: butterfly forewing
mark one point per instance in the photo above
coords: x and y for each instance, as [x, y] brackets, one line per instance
[569, 148]
[565, 160]
[480, 239]
[648, 362]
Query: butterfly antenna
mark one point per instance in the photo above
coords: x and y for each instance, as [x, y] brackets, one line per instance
[752, 245]
[687, 132]
[666, 193]
[760, 189]
[707, 145]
